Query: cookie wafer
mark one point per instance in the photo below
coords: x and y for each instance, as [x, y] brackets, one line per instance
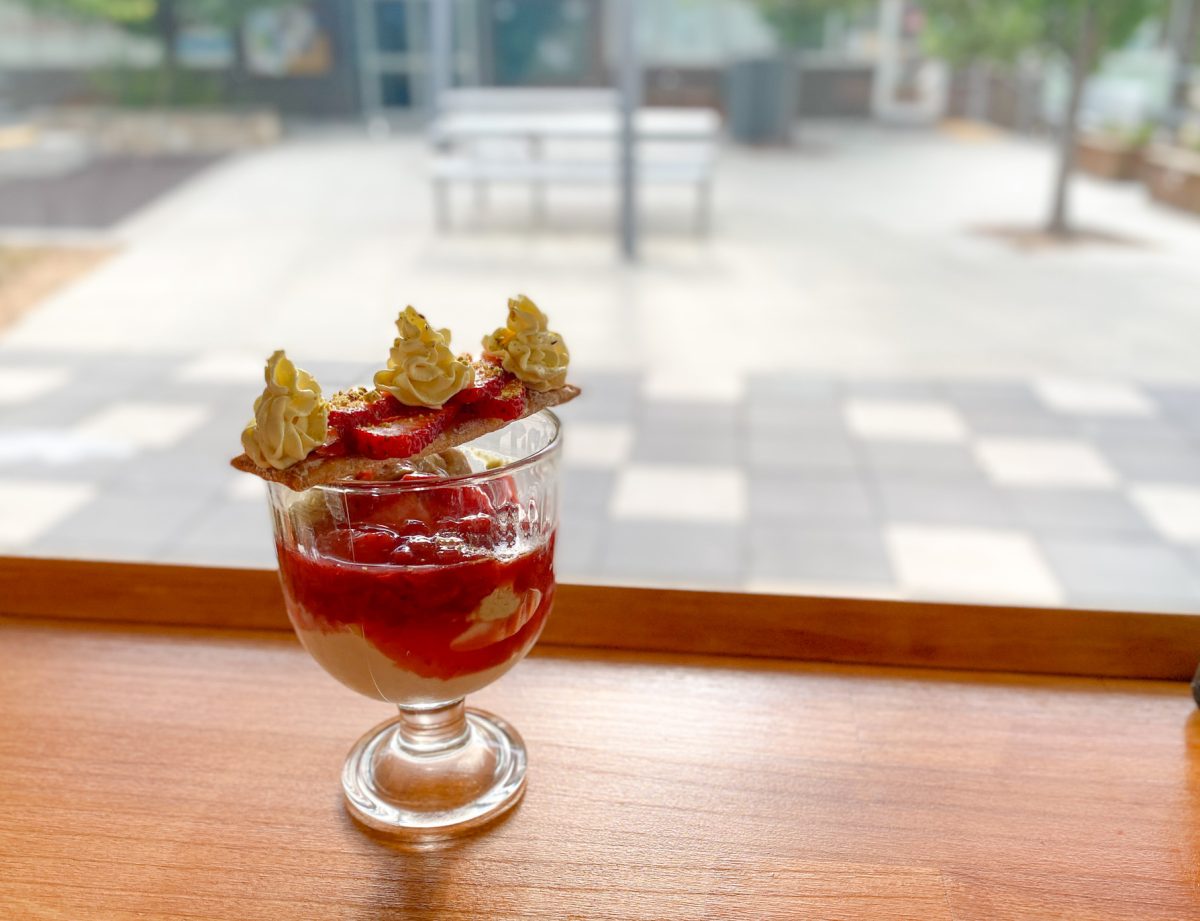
[316, 470]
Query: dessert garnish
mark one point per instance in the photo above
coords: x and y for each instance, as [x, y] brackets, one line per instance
[426, 402]
[422, 371]
[527, 348]
[290, 418]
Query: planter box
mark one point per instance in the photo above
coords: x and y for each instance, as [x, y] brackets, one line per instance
[1172, 176]
[1108, 158]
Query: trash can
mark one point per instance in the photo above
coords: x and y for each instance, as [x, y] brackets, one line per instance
[760, 99]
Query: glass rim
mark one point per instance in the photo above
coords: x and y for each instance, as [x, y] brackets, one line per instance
[461, 479]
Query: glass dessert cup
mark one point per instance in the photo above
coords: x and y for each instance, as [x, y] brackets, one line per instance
[418, 592]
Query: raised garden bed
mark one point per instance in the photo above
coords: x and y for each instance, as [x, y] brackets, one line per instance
[1109, 158]
[1172, 176]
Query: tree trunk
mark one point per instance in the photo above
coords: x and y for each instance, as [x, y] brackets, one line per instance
[167, 26]
[1081, 66]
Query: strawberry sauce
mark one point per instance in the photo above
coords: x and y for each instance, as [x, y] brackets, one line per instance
[438, 581]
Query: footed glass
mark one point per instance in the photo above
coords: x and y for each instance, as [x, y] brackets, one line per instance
[420, 591]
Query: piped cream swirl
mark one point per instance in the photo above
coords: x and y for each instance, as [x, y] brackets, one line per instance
[422, 371]
[290, 417]
[527, 348]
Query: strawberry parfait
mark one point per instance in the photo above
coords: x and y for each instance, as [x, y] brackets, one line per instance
[415, 525]
[419, 590]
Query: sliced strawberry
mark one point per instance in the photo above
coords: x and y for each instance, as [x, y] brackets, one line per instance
[349, 408]
[387, 407]
[509, 403]
[335, 445]
[401, 437]
[488, 382]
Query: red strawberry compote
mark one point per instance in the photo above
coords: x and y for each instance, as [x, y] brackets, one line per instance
[418, 597]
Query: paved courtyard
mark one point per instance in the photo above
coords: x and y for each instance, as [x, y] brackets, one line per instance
[843, 389]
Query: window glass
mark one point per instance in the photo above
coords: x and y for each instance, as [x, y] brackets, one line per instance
[882, 327]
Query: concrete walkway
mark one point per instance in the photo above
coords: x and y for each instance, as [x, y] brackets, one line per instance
[842, 389]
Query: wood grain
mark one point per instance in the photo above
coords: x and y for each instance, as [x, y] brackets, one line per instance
[1031, 640]
[171, 773]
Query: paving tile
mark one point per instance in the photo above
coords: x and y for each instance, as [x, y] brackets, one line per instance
[597, 444]
[224, 531]
[1138, 574]
[19, 385]
[905, 420]
[686, 555]
[1153, 432]
[145, 424]
[666, 492]
[662, 446]
[606, 397]
[578, 548]
[783, 389]
[1018, 421]
[800, 451]
[33, 507]
[971, 564]
[809, 418]
[586, 491]
[16, 356]
[1093, 397]
[1172, 465]
[1173, 509]
[884, 388]
[147, 523]
[1180, 403]
[916, 461]
[905, 500]
[221, 368]
[708, 385]
[832, 554]
[1051, 462]
[686, 418]
[1014, 396]
[1077, 512]
[244, 487]
[64, 406]
[163, 473]
[59, 447]
[614, 386]
[118, 373]
[805, 498]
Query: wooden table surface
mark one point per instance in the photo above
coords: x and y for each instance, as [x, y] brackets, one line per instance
[170, 772]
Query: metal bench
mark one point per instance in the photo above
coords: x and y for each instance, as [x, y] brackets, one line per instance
[486, 136]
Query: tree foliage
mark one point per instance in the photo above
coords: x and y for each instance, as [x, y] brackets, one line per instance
[141, 15]
[121, 12]
[999, 31]
[800, 23]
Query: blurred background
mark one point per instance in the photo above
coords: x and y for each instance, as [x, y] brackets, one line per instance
[886, 299]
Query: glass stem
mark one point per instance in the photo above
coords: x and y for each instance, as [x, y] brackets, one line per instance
[433, 729]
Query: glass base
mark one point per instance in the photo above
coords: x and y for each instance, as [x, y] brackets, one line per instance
[435, 771]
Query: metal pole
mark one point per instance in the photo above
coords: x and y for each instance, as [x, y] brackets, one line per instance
[1184, 24]
[441, 51]
[629, 84]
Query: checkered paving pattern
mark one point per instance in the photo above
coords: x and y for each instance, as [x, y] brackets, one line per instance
[1048, 491]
